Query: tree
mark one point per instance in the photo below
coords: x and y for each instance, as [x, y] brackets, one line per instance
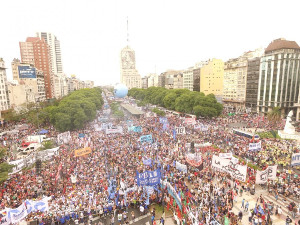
[274, 116]
[5, 168]
[169, 101]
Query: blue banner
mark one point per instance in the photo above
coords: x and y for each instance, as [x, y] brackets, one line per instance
[137, 129]
[81, 135]
[174, 134]
[163, 120]
[148, 178]
[112, 188]
[147, 162]
[146, 138]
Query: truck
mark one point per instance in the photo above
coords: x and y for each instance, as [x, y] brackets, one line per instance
[29, 147]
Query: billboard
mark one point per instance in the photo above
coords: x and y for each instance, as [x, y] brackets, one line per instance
[26, 72]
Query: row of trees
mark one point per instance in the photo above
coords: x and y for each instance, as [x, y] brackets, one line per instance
[69, 113]
[180, 100]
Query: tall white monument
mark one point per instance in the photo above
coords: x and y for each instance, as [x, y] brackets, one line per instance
[289, 130]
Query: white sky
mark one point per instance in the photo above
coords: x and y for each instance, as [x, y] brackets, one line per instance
[165, 34]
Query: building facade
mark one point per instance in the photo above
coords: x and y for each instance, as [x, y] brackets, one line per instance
[211, 77]
[196, 79]
[4, 100]
[252, 83]
[152, 80]
[54, 49]
[129, 75]
[279, 77]
[188, 79]
[35, 51]
[178, 81]
[145, 82]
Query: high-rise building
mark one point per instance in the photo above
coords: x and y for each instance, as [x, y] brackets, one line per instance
[178, 81]
[145, 82]
[54, 49]
[252, 83]
[152, 80]
[196, 79]
[211, 77]
[235, 79]
[129, 75]
[188, 80]
[4, 101]
[35, 51]
[279, 76]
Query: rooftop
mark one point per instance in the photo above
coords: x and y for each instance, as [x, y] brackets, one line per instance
[281, 43]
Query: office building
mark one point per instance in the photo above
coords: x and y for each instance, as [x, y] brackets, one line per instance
[279, 77]
[4, 101]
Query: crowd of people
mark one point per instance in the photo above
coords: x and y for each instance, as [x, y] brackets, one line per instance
[80, 187]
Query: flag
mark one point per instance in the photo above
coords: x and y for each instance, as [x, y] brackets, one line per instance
[260, 210]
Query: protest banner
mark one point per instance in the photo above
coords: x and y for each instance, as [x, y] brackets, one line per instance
[235, 170]
[189, 121]
[163, 120]
[172, 192]
[64, 138]
[181, 167]
[226, 155]
[180, 130]
[147, 162]
[82, 151]
[193, 159]
[18, 214]
[148, 178]
[146, 138]
[265, 175]
[295, 159]
[4, 220]
[117, 130]
[137, 129]
[40, 205]
[255, 146]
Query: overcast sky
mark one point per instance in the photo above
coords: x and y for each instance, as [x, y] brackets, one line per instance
[165, 34]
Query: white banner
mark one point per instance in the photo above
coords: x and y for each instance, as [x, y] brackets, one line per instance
[226, 155]
[117, 130]
[18, 214]
[181, 167]
[180, 130]
[295, 159]
[254, 146]
[64, 138]
[265, 175]
[40, 205]
[4, 220]
[201, 127]
[189, 121]
[235, 170]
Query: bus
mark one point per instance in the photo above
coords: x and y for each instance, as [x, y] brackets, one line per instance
[245, 134]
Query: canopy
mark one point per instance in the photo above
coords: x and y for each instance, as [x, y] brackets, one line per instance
[43, 131]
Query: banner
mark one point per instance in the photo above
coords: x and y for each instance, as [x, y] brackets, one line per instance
[255, 146]
[201, 127]
[172, 192]
[118, 130]
[265, 175]
[18, 214]
[148, 178]
[146, 138]
[34, 206]
[147, 162]
[64, 138]
[163, 120]
[226, 155]
[180, 130]
[295, 159]
[4, 220]
[137, 129]
[82, 151]
[193, 159]
[181, 167]
[189, 121]
[166, 126]
[235, 170]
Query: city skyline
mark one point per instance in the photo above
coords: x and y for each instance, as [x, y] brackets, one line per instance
[164, 35]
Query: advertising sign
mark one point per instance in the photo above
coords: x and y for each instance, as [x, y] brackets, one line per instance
[26, 72]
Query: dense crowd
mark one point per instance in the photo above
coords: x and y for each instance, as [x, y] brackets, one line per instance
[78, 187]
